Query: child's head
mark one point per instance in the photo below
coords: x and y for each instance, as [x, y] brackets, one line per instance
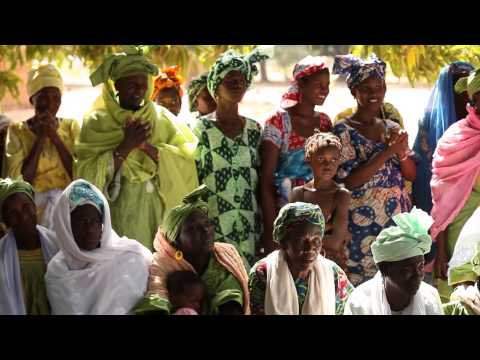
[186, 290]
[322, 152]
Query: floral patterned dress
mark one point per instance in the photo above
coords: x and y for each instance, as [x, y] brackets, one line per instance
[374, 203]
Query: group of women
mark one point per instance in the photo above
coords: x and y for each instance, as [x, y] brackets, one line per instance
[302, 216]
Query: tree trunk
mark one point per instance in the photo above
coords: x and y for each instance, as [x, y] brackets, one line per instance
[263, 72]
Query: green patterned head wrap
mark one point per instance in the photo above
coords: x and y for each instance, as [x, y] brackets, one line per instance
[470, 84]
[194, 89]
[11, 186]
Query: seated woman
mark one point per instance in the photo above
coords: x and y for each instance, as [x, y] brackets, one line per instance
[398, 289]
[96, 272]
[284, 136]
[456, 180]
[24, 252]
[168, 89]
[186, 242]
[41, 149]
[322, 152]
[297, 280]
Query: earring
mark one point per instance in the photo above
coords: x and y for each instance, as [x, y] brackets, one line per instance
[178, 255]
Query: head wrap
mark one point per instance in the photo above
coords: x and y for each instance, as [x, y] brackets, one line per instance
[229, 61]
[191, 202]
[11, 186]
[305, 67]
[470, 84]
[194, 89]
[476, 259]
[408, 239]
[169, 78]
[357, 69]
[296, 213]
[120, 65]
[83, 194]
[42, 76]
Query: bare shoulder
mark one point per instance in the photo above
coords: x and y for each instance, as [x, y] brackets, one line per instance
[343, 195]
[296, 194]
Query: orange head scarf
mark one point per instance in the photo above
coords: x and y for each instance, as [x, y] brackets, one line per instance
[168, 78]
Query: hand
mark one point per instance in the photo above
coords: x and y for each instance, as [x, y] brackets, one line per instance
[135, 135]
[441, 265]
[399, 144]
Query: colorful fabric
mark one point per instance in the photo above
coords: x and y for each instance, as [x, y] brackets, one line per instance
[50, 173]
[292, 169]
[142, 189]
[357, 69]
[476, 260]
[370, 299]
[229, 61]
[194, 89]
[294, 214]
[42, 76]
[11, 186]
[373, 204]
[177, 216]
[456, 166]
[258, 287]
[439, 114]
[469, 297]
[127, 63]
[471, 85]
[387, 112]
[229, 168]
[409, 238]
[108, 280]
[305, 67]
[83, 194]
[225, 278]
[169, 77]
[22, 285]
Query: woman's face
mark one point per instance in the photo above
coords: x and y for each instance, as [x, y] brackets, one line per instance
[170, 99]
[19, 212]
[48, 100]
[196, 235]
[461, 100]
[324, 162]
[370, 93]
[131, 91]
[87, 227]
[302, 245]
[233, 87]
[205, 103]
[407, 275]
[315, 88]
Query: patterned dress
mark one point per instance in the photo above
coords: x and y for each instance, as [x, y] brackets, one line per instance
[374, 203]
[229, 169]
[257, 285]
[292, 170]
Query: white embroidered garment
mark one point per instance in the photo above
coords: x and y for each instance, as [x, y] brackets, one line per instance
[281, 295]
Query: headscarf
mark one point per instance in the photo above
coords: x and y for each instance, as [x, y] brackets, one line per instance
[83, 194]
[42, 76]
[408, 239]
[438, 116]
[131, 61]
[10, 186]
[470, 84]
[191, 202]
[305, 67]
[229, 61]
[357, 69]
[296, 213]
[194, 89]
[169, 78]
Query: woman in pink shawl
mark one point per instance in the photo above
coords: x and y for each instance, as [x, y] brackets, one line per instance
[456, 182]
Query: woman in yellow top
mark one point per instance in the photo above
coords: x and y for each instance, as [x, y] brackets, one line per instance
[41, 148]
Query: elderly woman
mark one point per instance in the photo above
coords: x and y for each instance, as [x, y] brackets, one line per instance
[186, 243]
[398, 289]
[283, 155]
[455, 180]
[24, 252]
[41, 149]
[228, 154]
[200, 101]
[131, 149]
[375, 162]
[297, 280]
[168, 89]
[444, 108]
[96, 272]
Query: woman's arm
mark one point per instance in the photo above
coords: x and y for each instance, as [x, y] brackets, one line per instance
[335, 241]
[29, 167]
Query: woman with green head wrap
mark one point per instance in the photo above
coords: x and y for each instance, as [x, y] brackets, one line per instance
[185, 243]
[200, 100]
[132, 150]
[227, 156]
[398, 289]
[297, 280]
[25, 251]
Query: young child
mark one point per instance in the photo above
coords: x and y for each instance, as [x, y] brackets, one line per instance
[322, 153]
[186, 292]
